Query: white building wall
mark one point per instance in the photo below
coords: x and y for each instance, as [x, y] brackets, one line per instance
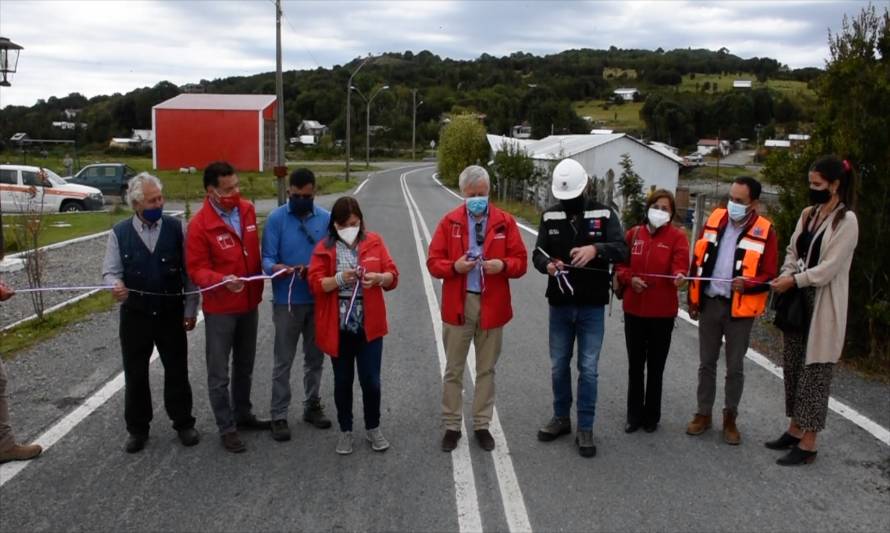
[657, 171]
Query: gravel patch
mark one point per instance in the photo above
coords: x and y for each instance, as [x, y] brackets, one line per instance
[73, 265]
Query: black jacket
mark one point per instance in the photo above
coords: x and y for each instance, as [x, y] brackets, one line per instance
[560, 231]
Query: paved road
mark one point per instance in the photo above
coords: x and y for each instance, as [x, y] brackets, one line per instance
[664, 481]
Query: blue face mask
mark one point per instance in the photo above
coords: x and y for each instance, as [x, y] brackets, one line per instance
[477, 205]
[737, 212]
[152, 215]
[300, 206]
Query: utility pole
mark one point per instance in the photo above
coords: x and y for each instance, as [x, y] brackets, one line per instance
[717, 176]
[280, 165]
[413, 121]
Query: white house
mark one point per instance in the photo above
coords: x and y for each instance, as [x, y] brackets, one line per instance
[742, 84]
[600, 154]
[600, 132]
[706, 146]
[626, 93]
[798, 137]
[522, 131]
[777, 143]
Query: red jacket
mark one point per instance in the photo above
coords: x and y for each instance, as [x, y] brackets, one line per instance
[664, 252]
[213, 251]
[373, 255]
[502, 241]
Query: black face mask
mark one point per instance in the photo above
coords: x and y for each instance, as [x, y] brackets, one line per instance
[573, 205]
[819, 196]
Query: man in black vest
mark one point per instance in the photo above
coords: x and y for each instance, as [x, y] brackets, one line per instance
[145, 262]
[578, 240]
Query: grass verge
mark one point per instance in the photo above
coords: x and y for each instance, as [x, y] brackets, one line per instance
[30, 333]
[622, 117]
[58, 227]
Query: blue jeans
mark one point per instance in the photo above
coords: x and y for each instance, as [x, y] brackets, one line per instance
[586, 322]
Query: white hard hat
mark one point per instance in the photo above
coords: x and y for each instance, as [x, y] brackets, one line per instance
[569, 180]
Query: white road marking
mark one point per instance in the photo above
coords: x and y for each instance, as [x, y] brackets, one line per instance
[64, 426]
[361, 185]
[508, 483]
[468, 516]
[876, 430]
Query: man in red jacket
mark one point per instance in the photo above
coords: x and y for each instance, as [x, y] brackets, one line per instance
[475, 251]
[222, 246]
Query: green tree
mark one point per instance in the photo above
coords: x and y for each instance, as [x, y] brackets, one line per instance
[461, 143]
[511, 164]
[631, 186]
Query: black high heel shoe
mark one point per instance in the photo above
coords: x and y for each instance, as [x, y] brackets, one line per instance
[797, 457]
[786, 441]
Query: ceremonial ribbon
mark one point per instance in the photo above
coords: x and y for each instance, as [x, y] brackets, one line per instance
[257, 277]
[359, 274]
[650, 275]
[562, 277]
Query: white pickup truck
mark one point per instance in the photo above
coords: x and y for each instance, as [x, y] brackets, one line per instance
[25, 188]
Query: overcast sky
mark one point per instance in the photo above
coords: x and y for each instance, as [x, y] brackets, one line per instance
[102, 47]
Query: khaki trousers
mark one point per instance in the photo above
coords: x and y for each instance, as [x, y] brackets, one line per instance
[487, 343]
[7, 439]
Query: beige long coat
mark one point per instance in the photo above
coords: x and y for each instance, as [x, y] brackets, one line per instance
[831, 278]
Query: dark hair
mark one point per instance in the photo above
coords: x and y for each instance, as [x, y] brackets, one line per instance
[753, 185]
[216, 170]
[301, 177]
[343, 208]
[832, 169]
[657, 195]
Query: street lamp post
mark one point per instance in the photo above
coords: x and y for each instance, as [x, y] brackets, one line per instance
[368, 120]
[414, 121]
[9, 60]
[349, 114]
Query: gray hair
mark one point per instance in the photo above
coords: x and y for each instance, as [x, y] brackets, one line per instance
[136, 187]
[471, 175]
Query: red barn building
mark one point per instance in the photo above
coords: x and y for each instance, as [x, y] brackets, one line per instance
[192, 130]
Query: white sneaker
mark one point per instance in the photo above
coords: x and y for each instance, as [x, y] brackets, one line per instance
[377, 440]
[344, 445]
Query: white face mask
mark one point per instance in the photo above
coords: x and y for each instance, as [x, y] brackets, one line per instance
[658, 218]
[348, 235]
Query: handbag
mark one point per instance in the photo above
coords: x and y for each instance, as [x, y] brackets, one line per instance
[792, 311]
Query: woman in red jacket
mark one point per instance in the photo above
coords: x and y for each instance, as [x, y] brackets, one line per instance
[348, 273]
[650, 305]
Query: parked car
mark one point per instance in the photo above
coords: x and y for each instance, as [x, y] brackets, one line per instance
[110, 178]
[26, 188]
[694, 160]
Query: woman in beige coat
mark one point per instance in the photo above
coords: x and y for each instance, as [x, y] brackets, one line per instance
[817, 262]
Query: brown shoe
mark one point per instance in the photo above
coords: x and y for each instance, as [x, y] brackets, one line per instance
[730, 432]
[699, 424]
[21, 452]
[232, 442]
[449, 441]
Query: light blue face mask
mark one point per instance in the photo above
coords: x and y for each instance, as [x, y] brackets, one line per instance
[477, 205]
[737, 211]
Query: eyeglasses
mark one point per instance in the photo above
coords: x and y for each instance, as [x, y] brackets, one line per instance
[480, 235]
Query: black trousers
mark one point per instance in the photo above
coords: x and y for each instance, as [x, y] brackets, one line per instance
[648, 343]
[139, 334]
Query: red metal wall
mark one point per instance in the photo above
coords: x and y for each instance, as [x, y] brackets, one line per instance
[194, 138]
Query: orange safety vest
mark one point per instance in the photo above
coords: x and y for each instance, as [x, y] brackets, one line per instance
[749, 250]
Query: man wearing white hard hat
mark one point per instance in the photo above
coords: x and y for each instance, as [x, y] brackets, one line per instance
[578, 240]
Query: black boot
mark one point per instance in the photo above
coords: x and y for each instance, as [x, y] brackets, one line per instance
[797, 457]
[786, 441]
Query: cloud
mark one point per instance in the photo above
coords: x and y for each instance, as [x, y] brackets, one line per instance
[101, 47]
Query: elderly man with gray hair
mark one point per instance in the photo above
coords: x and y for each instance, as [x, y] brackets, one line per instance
[145, 263]
[476, 250]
